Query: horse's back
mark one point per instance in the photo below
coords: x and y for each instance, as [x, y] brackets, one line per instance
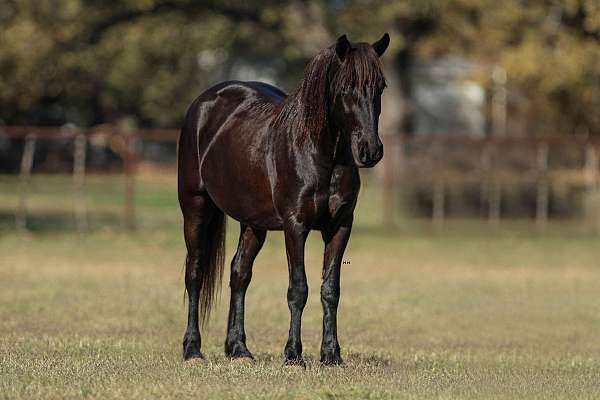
[210, 110]
[225, 134]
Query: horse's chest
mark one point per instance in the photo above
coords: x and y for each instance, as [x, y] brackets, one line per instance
[321, 201]
[338, 196]
[315, 196]
[343, 190]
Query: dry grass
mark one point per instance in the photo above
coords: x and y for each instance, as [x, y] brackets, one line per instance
[465, 312]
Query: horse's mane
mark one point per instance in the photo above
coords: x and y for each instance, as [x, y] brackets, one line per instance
[305, 110]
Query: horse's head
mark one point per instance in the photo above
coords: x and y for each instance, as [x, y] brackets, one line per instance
[357, 83]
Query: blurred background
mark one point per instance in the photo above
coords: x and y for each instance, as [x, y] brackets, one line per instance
[492, 109]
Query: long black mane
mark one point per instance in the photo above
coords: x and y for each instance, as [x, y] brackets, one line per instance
[305, 111]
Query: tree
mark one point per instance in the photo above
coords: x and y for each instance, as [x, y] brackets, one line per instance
[90, 61]
[82, 61]
[549, 48]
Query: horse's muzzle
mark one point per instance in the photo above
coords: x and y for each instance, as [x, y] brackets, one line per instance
[369, 155]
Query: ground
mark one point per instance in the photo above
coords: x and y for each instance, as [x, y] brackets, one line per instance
[462, 311]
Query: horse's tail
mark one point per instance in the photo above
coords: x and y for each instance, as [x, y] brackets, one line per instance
[212, 262]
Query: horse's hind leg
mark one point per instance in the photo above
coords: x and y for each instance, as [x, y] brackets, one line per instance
[198, 212]
[250, 243]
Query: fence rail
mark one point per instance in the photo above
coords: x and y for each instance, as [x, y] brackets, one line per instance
[443, 162]
[122, 141]
[66, 132]
[437, 162]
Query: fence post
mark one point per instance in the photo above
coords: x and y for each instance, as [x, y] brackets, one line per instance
[79, 158]
[541, 213]
[493, 187]
[390, 164]
[499, 96]
[388, 170]
[485, 167]
[24, 177]
[439, 196]
[495, 202]
[129, 164]
[439, 202]
[591, 180]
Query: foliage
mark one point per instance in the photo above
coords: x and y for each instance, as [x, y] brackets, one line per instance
[84, 61]
[550, 50]
[90, 61]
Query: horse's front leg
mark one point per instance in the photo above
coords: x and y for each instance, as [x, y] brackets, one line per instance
[295, 239]
[335, 244]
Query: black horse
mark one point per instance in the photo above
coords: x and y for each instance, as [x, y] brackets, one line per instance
[278, 162]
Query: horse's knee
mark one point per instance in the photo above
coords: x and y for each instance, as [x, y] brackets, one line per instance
[240, 278]
[330, 294]
[193, 268]
[298, 295]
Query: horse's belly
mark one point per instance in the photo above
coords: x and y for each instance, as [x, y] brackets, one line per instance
[235, 175]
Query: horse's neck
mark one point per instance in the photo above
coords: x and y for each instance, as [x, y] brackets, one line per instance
[322, 145]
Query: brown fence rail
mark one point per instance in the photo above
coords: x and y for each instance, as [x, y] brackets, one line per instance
[122, 141]
[442, 164]
[438, 163]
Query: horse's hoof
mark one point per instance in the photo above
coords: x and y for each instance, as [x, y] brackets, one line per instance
[238, 351]
[293, 357]
[331, 359]
[191, 349]
[192, 356]
[241, 355]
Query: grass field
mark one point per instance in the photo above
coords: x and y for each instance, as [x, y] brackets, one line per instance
[466, 311]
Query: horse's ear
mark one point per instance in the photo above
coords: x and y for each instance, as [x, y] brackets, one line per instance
[342, 47]
[382, 44]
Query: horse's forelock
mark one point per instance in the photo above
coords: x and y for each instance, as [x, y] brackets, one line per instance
[360, 68]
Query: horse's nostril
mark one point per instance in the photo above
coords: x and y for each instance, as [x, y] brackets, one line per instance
[379, 153]
[363, 154]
